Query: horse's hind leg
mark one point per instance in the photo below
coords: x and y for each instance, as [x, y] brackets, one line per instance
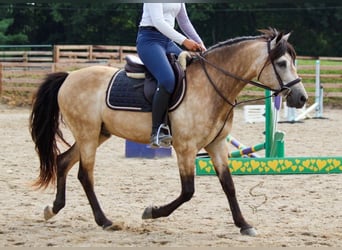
[218, 153]
[65, 162]
[86, 177]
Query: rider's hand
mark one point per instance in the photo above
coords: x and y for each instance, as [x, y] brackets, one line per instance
[203, 48]
[193, 46]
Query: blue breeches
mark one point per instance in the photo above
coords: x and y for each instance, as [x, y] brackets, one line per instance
[153, 47]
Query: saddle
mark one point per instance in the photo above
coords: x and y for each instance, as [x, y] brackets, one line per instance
[136, 69]
[133, 87]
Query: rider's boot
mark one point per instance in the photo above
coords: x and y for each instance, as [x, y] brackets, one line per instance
[160, 136]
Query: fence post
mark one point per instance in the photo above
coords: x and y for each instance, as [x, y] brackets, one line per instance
[25, 57]
[0, 79]
[53, 67]
[55, 53]
[121, 54]
[90, 52]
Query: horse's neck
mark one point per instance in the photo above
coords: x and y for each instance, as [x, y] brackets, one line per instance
[203, 103]
[241, 60]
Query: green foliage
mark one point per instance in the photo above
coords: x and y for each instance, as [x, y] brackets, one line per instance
[315, 24]
[18, 38]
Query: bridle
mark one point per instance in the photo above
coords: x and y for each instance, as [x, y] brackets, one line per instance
[284, 88]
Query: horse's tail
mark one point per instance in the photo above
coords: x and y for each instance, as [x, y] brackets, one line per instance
[44, 127]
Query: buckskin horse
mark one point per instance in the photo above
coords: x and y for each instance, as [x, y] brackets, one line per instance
[201, 121]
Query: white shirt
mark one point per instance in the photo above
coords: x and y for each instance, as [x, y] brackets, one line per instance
[162, 16]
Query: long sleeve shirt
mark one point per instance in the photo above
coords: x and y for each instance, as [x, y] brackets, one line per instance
[162, 16]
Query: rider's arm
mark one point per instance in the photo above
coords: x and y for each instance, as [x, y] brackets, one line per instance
[165, 24]
[186, 26]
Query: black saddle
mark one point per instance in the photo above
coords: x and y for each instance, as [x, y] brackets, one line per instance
[133, 87]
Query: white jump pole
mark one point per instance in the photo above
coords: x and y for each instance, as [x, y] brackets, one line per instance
[308, 110]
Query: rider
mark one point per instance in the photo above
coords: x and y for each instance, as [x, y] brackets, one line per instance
[156, 38]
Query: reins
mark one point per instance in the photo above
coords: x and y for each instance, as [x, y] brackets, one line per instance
[283, 87]
[204, 61]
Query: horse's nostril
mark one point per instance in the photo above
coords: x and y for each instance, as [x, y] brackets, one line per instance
[303, 98]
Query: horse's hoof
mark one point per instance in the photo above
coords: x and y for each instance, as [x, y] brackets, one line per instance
[147, 213]
[114, 227]
[48, 213]
[249, 231]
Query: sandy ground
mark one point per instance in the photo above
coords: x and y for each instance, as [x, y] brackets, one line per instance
[287, 210]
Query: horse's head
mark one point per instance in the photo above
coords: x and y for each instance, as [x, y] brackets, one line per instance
[279, 69]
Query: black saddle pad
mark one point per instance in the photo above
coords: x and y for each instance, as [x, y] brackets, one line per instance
[125, 93]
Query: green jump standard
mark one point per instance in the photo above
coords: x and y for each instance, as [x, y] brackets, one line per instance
[273, 166]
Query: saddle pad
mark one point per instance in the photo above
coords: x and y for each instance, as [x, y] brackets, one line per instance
[125, 93]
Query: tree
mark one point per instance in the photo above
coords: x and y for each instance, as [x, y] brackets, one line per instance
[5, 38]
[89, 23]
[315, 24]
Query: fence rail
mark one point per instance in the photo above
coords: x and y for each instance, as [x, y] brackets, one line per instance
[24, 70]
[67, 53]
[90, 53]
[26, 56]
[25, 77]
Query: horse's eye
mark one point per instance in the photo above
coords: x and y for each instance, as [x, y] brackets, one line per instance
[281, 64]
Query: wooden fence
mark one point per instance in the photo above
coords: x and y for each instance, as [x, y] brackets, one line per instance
[22, 71]
[26, 56]
[91, 53]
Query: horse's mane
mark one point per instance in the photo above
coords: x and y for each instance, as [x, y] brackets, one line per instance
[267, 34]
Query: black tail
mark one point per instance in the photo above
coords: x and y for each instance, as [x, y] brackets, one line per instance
[44, 127]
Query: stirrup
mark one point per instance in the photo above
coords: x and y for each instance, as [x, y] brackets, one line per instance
[163, 137]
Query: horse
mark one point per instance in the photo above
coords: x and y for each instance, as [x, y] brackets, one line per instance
[203, 119]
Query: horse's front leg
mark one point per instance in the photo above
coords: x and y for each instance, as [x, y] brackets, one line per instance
[186, 170]
[218, 152]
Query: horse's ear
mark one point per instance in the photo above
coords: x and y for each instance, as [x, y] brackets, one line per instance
[273, 42]
[286, 37]
[279, 37]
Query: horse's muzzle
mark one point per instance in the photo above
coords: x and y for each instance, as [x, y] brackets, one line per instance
[296, 98]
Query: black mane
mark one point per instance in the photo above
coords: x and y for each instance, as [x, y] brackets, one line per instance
[232, 41]
[267, 34]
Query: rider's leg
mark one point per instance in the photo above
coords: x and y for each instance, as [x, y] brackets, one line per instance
[160, 105]
[152, 49]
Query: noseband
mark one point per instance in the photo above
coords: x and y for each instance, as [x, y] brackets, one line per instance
[284, 88]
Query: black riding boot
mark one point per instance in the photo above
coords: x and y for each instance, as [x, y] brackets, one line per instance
[160, 135]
